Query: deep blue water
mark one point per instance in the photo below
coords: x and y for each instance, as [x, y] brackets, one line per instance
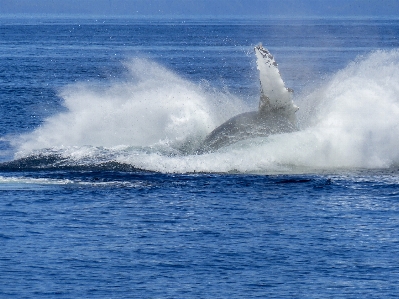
[99, 200]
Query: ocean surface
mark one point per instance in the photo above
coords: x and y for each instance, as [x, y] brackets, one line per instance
[102, 192]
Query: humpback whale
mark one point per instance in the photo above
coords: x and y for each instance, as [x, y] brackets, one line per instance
[275, 114]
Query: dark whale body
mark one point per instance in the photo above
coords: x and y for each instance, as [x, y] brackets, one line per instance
[276, 112]
[247, 125]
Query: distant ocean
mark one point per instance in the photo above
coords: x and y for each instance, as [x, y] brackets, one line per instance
[102, 192]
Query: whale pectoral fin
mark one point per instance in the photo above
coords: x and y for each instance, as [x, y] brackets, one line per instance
[274, 94]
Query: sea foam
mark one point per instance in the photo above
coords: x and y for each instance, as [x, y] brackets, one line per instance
[155, 119]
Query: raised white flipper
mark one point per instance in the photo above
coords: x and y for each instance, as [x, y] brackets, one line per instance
[274, 94]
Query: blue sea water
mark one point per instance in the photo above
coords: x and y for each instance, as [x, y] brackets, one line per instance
[102, 194]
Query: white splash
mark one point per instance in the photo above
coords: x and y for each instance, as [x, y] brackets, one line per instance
[351, 121]
[153, 107]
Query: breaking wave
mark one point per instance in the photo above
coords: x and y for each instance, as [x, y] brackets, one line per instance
[155, 119]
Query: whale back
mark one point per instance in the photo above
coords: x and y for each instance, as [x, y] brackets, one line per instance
[247, 125]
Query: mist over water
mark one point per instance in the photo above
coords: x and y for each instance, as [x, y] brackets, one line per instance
[154, 120]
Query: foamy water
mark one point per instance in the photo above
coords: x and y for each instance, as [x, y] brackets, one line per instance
[155, 119]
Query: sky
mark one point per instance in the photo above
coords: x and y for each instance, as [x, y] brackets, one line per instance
[278, 8]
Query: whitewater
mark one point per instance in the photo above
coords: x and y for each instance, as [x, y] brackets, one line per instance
[153, 119]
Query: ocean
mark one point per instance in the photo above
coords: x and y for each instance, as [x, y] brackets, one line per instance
[103, 194]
